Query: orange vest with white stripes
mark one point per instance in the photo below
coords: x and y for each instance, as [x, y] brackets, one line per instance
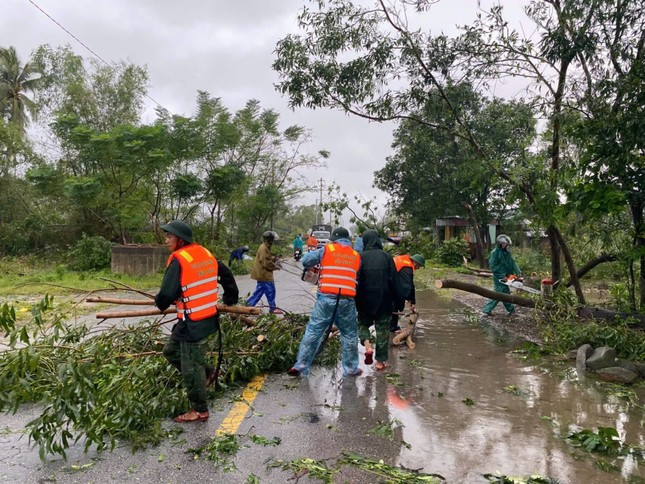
[401, 261]
[340, 264]
[198, 281]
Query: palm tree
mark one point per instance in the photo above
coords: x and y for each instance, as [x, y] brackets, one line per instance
[15, 80]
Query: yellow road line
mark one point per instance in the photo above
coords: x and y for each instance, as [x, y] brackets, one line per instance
[234, 419]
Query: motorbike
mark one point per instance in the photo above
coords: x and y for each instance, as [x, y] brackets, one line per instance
[297, 254]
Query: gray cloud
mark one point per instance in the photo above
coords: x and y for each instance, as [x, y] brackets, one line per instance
[223, 47]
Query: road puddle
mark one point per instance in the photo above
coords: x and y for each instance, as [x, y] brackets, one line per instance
[463, 405]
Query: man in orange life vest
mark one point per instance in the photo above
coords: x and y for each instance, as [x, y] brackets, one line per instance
[405, 266]
[191, 282]
[334, 304]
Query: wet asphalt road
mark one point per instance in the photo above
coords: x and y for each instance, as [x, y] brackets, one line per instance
[322, 415]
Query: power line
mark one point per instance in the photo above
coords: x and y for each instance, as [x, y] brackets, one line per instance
[110, 65]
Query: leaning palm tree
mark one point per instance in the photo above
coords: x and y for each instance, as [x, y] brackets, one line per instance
[15, 80]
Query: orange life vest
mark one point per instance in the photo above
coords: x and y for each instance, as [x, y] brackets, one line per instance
[198, 282]
[401, 261]
[340, 264]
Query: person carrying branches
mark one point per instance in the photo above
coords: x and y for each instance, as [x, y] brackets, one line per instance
[191, 282]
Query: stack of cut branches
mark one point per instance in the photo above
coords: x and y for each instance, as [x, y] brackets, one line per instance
[101, 383]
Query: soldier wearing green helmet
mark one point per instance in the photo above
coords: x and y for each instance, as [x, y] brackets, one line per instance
[405, 267]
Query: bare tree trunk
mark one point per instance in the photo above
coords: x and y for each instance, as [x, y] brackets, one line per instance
[575, 282]
[556, 267]
[479, 245]
[219, 221]
[482, 291]
[636, 206]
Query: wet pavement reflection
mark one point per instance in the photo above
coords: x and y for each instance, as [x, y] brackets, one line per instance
[460, 422]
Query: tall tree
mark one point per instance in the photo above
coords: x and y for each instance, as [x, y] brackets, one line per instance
[350, 54]
[16, 80]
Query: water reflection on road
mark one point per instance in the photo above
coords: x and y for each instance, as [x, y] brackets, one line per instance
[459, 420]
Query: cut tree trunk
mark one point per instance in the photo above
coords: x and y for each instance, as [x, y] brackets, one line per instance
[584, 312]
[499, 296]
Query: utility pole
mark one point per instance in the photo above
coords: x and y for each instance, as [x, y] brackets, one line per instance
[319, 211]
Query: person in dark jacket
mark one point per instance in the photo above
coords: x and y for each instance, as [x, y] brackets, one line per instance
[238, 254]
[186, 347]
[377, 293]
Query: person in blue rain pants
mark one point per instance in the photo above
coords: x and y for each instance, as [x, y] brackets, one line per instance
[334, 304]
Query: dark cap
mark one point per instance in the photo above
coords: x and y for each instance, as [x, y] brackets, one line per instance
[339, 233]
[179, 229]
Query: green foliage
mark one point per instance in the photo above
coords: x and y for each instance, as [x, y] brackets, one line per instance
[620, 296]
[385, 429]
[313, 468]
[103, 385]
[531, 260]
[605, 440]
[218, 450]
[396, 475]
[562, 336]
[451, 252]
[258, 439]
[90, 253]
[422, 243]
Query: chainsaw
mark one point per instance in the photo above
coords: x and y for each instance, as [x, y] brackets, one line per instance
[517, 283]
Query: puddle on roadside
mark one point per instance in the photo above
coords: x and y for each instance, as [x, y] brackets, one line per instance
[469, 407]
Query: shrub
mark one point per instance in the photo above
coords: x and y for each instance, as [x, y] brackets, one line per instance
[422, 243]
[452, 252]
[90, 253]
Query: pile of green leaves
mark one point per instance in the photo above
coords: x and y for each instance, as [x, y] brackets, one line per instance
[605, 440]
[218, 450]
[99, 385]
[390, 473]
[502, 479]
[318, 469]
[562, 330]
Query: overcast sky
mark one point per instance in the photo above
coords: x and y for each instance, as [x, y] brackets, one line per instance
[224, 47]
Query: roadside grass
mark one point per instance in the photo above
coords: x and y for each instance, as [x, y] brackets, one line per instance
[26, 277]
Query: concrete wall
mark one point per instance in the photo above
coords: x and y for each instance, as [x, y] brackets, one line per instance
[139, 260]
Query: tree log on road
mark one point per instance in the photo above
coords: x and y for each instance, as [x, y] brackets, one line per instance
[499, 296]
[584, 312]
[155, 312]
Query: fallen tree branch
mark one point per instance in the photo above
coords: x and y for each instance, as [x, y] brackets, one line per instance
[593, 263]
[499, 296]
[129, 288]
[127, 302]
[154, 312]
[478, 272]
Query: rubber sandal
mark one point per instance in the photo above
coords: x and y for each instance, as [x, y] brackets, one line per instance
[358, 372]
[369, 357]
[293, 372]
[381, 368]
[192, 416]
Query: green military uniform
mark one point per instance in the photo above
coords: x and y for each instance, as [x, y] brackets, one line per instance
[186, 348]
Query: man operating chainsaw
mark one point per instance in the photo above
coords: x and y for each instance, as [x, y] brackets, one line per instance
[503, 266]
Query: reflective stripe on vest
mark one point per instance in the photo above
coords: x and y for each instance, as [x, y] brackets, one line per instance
[340, 264]
[401, 261]
[198, 281]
